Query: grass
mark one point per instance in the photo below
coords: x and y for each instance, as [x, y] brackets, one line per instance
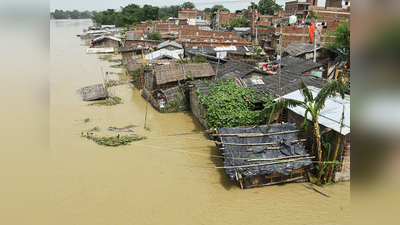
[107, 102]
[108, 58]
[113, 141]
[95, 129]
[86, 120]
[116, 66]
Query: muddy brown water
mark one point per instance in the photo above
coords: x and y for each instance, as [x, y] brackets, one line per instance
[161, 180]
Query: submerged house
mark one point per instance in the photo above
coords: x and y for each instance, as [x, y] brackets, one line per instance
[128, 51]
[106, 42]
[162, 85]
[330, 125]
[256, 157]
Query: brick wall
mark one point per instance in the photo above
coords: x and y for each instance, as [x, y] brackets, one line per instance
[206, 33]
[196, 107]
[187, 14]
[212, 44]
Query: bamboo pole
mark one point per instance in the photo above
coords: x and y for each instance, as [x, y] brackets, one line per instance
[255, 134]
[249, 144]
[264, 164]
[207, 131]
[286, 157]
[317, 191]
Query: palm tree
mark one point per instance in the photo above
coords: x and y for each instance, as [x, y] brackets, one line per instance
[313, 106]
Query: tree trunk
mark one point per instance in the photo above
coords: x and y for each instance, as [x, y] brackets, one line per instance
[319, 151]
[332, 166]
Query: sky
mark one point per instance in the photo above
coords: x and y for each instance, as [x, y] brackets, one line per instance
[100, 5]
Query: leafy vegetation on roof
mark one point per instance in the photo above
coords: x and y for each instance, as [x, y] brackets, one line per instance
[229, 105]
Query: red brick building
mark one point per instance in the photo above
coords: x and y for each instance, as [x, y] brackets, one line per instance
[187, 14]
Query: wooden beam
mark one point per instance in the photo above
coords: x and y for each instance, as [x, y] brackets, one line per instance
[255, 134]
[287, 157]
[264, 164]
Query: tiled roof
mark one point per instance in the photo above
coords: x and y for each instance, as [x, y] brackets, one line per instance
[298, 48]
[289, 82]
[298, 65]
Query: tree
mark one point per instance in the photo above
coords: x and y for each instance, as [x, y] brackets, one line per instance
[268, 7]
[131, 14]
[75, 14]
[215, 8]
[341, 44]
[207, 10]
[313, 106]
[84, 15]
[241, 22]
[59, 14]
[169, 11]
[188, 5]
[154, 36]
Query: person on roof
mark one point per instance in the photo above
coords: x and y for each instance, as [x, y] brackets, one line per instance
[312, 33]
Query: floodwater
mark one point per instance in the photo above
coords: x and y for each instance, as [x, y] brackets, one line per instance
[161, 180]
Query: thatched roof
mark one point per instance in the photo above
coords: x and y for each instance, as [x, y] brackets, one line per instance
[172, 73]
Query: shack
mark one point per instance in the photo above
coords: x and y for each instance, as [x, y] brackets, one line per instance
[162, 85]
[244, 52]
[128, 51]
[256, 157]
[106, 42]
[330, 125]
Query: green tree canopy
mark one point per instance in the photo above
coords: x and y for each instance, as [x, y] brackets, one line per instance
[75, 14]
[169, 11]
[154, 36]
[241, 22]
[341, 44]
[188, 5]
[268, 7]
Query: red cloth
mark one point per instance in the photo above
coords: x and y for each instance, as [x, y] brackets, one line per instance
[312, 32]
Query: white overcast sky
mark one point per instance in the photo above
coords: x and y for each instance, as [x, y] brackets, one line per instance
[100, 5]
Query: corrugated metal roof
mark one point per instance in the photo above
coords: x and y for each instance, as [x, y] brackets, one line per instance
[168, 43]
[164, 52]
[241, 29]
[109, 37]
[204, 28]
[221, 49]
[331, 114]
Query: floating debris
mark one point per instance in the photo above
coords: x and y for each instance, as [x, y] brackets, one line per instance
[114, 100]
[113, 140]
[93, 92]
[123, 129]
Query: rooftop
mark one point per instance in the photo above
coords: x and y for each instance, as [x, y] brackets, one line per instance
[331, 114]
[106, 37]
[298, 65]
[168, 43]
[237, 156]
[172, 73]
[299, 48]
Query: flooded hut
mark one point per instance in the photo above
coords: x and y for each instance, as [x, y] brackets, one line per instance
[93, 92]
[163, 86]
[106, 42]
[256, 157]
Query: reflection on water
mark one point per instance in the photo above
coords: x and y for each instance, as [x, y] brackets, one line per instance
[161, 180]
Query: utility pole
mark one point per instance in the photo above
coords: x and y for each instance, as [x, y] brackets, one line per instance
[315, 41]
[256, 29]
[280, 61]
